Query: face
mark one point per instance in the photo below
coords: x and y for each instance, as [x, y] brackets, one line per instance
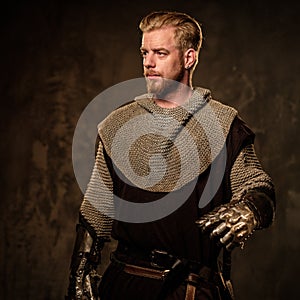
[162, 60]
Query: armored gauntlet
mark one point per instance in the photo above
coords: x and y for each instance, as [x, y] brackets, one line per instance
[230, 224]
[83, 280]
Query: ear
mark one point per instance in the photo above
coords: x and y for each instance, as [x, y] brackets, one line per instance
[190, 57]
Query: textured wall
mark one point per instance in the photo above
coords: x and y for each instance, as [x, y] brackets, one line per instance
[57, 56]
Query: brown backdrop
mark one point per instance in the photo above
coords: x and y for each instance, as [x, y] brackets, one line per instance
[56, 56]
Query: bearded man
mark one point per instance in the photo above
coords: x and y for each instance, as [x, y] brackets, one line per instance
[176, 182]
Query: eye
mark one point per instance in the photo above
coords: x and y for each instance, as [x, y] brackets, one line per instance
[161, 53]
[144, 53]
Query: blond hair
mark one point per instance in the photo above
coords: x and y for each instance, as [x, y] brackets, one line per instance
[188, 33]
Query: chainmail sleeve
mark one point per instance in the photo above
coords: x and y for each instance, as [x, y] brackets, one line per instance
[97, 208]
[249, 181]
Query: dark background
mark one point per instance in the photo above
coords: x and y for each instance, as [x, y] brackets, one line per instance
[56, 56]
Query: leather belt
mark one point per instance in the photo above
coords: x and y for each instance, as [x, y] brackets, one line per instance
[192, 280]
[156, 259]
[145, 272]
[155, 270]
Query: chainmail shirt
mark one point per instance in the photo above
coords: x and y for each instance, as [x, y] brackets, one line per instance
[161, 150]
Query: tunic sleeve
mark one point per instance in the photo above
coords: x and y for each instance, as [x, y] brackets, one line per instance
[97, 209]
[249, 181]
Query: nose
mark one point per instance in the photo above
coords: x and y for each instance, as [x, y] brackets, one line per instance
[148, 61]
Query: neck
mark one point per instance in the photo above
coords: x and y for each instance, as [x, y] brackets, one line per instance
[175, 98]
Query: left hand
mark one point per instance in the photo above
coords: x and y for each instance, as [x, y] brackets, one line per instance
[230, 223]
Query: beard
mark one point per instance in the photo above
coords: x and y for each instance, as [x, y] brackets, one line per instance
[160, 87]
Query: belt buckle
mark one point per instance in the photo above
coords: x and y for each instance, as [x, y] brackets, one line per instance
[165, 274]
[157, 258]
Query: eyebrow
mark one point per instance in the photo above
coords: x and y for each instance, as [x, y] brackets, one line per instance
[155, 49]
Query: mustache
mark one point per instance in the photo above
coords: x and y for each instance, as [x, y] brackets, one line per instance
[149, 73]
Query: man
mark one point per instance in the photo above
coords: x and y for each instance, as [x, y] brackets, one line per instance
[176, 182]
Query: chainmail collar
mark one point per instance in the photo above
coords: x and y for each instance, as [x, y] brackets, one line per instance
[163, 149]
[199, 97]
